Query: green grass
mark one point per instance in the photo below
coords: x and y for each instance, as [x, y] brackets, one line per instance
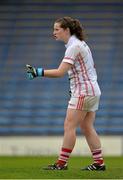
[31, 168]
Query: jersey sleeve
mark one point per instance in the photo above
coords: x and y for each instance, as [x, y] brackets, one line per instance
[70, 55]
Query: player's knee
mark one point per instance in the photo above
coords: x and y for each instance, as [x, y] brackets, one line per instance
[86, 127]
[67, 126]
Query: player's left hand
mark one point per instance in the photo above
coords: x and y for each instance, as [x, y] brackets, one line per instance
[31, 72]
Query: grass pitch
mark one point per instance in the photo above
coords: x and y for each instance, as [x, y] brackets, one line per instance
[31, 168]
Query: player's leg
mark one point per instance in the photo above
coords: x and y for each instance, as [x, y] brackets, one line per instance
[87, 127]
[72, 121]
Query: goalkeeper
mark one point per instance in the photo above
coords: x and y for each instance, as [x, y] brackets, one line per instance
[85, 93]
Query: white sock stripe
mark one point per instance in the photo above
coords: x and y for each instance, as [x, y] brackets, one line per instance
[63, 159]
[97, 156]
[102, 164]
[65, 153]
[96, 150]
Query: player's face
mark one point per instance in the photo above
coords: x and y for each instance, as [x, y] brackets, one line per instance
[60, 33]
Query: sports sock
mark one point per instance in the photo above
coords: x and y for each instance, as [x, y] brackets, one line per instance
[64, 156]
[97, 156]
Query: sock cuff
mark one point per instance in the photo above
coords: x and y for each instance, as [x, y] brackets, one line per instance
[66, 150]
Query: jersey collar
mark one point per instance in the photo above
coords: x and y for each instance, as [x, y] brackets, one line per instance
[70, 41]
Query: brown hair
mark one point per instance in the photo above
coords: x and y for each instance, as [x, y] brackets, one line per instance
[73, 24]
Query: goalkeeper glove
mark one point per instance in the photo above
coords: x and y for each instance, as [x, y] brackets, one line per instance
[34, 72]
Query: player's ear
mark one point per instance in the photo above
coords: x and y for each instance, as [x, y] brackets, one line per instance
[67, 30]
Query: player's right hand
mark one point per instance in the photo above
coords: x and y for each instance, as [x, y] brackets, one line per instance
[31, 72]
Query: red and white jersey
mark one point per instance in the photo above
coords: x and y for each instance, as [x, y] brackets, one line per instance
[82, 75]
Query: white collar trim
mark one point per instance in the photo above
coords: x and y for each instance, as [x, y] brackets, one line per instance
[70, 41]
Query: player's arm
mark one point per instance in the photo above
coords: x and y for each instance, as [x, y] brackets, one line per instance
[59, 72]
[33, 72]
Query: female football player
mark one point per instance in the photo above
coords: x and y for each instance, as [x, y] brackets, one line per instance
[85, 92]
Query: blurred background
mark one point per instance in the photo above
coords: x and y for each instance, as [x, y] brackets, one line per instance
[34, 111]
